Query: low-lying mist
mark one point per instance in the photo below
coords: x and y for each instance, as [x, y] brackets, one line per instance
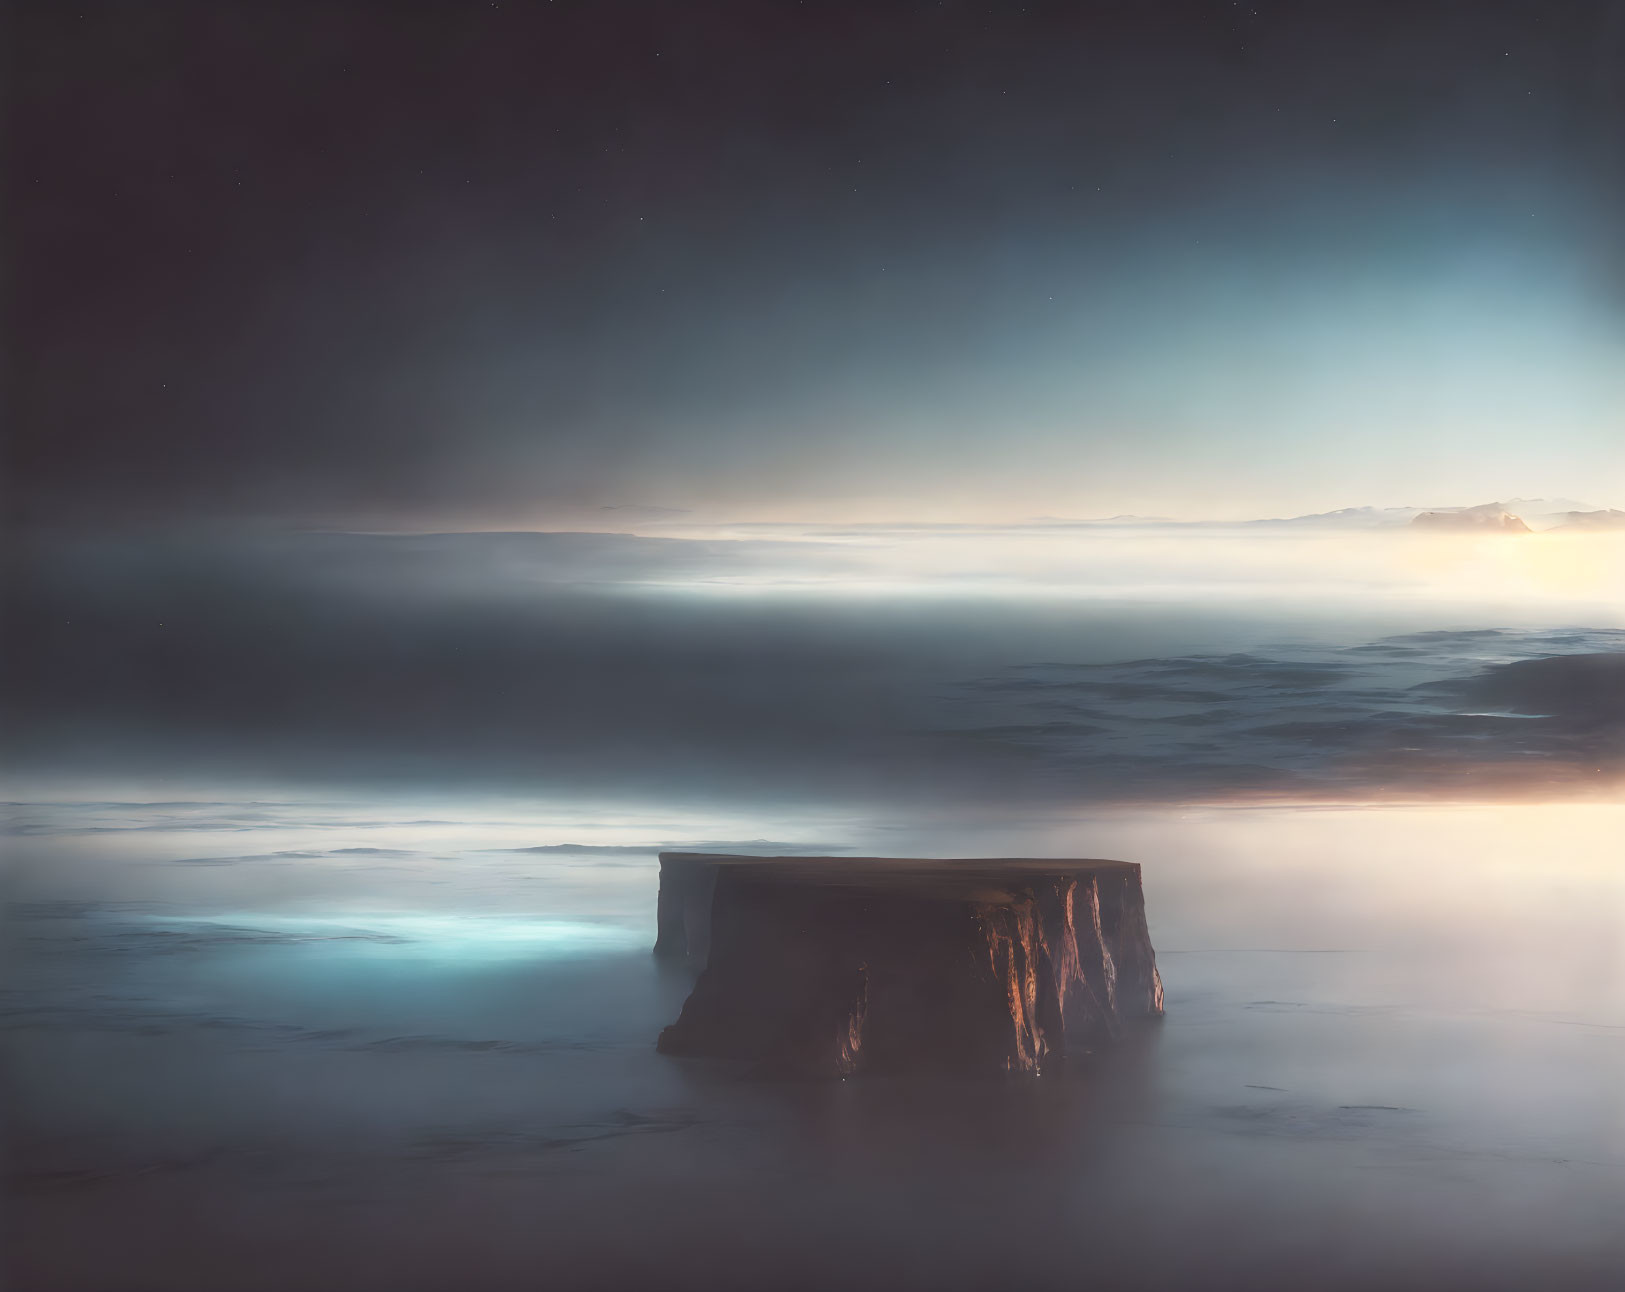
[1069, 664]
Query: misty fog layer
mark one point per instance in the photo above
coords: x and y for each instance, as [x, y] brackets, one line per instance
[1083, 666]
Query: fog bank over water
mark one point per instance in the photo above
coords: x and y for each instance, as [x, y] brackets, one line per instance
[1079, 663]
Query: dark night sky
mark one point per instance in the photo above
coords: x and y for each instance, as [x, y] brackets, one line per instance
[484, 264]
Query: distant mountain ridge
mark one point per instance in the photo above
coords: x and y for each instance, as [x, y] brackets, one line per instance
[1515, 515]
[1600, 519]
[1489, 516]
[1360, 517]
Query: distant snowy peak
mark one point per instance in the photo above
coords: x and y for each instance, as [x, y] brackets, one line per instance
[1356, 517]
[1514, 516]
[1609, 518]
[1487, 517]
[1546, 506]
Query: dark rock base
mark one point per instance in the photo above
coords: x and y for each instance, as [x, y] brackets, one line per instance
[831, 966]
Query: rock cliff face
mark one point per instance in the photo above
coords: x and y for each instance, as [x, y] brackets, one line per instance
[830, 966]
[683, 909]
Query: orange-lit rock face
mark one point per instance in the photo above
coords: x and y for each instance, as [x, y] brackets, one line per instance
[837, 965]
[849, 1045]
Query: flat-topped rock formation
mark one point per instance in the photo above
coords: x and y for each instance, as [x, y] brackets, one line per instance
[835, 965]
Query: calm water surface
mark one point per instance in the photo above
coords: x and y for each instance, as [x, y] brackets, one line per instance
[283, 1044]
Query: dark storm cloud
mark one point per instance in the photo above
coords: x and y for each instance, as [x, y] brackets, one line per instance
[425, 259]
